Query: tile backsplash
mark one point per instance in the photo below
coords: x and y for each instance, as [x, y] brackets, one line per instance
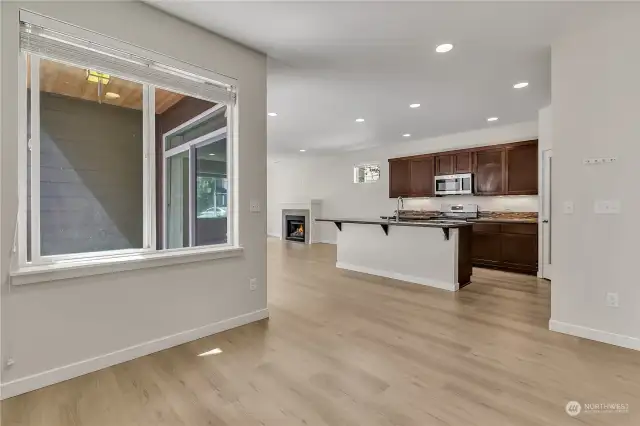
[506, 203]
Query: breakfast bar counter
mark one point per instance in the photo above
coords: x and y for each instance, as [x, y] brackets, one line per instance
[433, 253]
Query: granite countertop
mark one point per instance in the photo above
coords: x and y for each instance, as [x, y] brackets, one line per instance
[409, 218]
[484, 216]
[418, 224]
[503, 220]
[478, 220]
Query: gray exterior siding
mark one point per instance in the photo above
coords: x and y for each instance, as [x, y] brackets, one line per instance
[90, 176]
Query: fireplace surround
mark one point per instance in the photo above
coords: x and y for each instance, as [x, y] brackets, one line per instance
[302, 215]
[310, 210]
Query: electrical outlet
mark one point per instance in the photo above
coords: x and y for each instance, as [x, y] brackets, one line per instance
[254, 206]
[568, 207]
[612, 300]
[253, 284]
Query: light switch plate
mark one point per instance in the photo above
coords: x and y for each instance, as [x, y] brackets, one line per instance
[614, 206]
[606, 207]
[568, 207]
[612, 300]
[254, 206]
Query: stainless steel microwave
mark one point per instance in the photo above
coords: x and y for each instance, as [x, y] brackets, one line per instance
[454, 184]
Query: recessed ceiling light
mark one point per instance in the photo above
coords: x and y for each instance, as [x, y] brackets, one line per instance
[444, 48]
[492, 119]
[521, 85]
[414, 106]
[211, 154]
[272, 114]
[303, 150]
[359, 120]
[111, 95]
[406, 135]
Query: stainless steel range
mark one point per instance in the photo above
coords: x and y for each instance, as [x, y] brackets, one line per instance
[456, 213]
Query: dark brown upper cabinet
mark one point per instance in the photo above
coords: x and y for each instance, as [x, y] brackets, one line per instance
[522, 169]
[510, 169]
[444, 165]
[422, 177]
[399, 178]
[462, 162]
[489, 169]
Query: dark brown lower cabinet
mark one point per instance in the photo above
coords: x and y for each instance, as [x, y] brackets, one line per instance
[511, 247]
[487, 249]
[520, 252]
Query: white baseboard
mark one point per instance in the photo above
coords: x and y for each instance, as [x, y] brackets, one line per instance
[313, 241]
[60, 374]
[398, 276]
[593, 334]
[321, 241]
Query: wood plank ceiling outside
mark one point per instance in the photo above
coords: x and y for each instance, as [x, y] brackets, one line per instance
[71, 81]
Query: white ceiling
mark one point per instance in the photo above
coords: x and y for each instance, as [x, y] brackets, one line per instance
[332, 62]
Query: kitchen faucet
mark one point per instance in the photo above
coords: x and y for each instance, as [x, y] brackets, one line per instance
[399, 202]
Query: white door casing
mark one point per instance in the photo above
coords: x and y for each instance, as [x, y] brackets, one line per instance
[547, 167]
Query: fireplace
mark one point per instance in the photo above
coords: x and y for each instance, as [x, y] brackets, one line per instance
[295, 228]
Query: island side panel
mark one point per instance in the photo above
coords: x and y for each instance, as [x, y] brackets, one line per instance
[419, 255]
[465, 267]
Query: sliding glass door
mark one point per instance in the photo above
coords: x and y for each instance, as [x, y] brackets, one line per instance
[196, 182]
[177, 231]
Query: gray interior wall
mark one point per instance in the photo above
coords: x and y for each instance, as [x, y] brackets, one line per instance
[596, 99]
[56, 330]
[90, 176]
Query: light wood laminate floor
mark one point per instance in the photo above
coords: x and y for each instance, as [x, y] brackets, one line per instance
[350, 349]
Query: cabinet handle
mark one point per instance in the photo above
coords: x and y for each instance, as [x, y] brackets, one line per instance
[545, 221]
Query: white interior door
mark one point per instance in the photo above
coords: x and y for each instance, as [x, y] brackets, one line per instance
[547, 167]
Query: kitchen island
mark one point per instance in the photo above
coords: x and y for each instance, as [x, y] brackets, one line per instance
[433, 253]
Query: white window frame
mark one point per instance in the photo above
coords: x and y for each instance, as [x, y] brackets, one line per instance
[191, 146]
[63, 266]
[357, 167]
[148, 175]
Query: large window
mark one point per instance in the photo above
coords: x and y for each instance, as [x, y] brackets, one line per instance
[120, 154]
[90, 161]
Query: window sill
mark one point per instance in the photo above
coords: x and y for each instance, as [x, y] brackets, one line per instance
[86, 267]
